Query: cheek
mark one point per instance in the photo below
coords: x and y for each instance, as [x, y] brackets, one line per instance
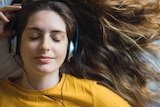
[27, 49]
[61, 51]
[24, 47]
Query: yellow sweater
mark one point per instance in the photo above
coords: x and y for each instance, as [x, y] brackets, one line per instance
[76, 93]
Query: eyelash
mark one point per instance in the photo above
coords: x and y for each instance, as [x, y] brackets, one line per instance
[36, 38]
[56, 40]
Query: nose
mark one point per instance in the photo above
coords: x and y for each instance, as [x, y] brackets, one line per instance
[44, 44]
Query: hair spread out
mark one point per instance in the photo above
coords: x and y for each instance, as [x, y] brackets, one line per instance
[114, 38]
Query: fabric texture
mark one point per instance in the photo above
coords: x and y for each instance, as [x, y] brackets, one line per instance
[5, 3]
[75, 92]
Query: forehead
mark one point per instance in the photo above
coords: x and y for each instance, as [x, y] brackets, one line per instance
[46, 19]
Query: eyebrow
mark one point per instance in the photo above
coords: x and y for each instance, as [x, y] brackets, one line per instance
[40, 30]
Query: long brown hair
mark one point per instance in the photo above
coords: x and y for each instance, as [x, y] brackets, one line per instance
[114, 35]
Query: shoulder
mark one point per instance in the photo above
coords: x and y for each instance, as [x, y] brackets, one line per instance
[6, 84]
[101, 95]
[5, 87]
[79, 82]
[106, 97]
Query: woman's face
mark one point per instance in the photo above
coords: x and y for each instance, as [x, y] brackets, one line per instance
[44, 42]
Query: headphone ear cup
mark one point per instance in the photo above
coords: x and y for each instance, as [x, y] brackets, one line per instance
[13, 45]
[70, 49]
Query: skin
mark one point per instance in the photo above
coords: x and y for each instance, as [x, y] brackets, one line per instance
[5, 18]
[8, 9]
[43, 49]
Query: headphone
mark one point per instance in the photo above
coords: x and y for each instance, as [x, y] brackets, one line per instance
[73, 45]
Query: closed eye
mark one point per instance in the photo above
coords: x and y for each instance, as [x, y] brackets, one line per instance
[34, 38]
[56, 40]
[57, 36]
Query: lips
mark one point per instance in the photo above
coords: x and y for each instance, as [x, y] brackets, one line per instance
[44, 59]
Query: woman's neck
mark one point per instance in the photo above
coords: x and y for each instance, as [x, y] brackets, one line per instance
[39, 82]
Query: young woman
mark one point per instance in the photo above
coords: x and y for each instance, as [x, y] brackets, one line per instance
[45, 31]
[113, 37]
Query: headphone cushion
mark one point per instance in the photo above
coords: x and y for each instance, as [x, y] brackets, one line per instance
[70, 48]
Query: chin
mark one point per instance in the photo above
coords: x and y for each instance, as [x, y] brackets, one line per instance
[46, 69]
